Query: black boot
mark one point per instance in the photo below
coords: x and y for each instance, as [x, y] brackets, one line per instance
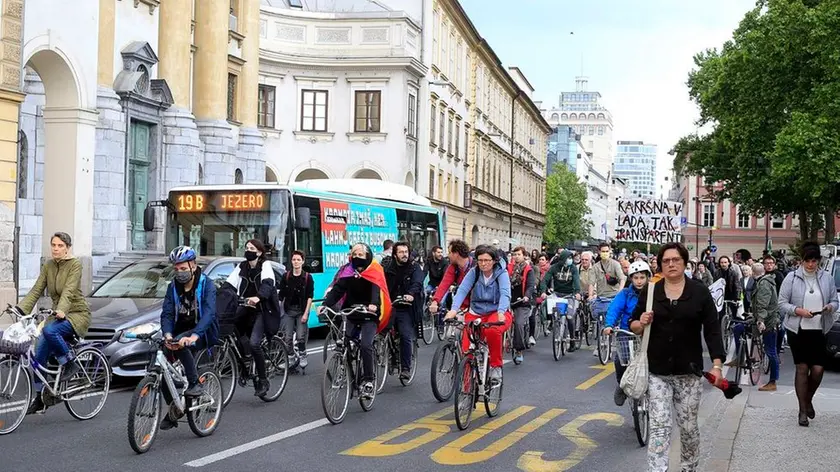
[37, 405]
[261, 387]
[168, 423]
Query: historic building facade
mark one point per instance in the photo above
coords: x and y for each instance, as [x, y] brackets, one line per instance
[126, 99]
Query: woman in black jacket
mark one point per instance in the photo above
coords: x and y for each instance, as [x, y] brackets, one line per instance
[254, 281]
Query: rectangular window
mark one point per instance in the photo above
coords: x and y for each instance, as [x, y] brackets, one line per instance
[435, 43]
[367, 111]
[432, 125]
[440, 185]
[231, 97]
[458, 77]
[412, 115]
[313, 110]
[708, 215]
[449, 130]
[442, 125]
[448, 194]
[431, 181]
[265, 106]
[451, 71]
[457, 139]
[778, 222]
[456, 199]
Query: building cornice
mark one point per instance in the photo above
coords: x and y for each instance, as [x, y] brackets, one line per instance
[387, 63]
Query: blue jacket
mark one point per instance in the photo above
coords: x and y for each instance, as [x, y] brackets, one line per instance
[621, 308]
[206, 326]
[485, 297]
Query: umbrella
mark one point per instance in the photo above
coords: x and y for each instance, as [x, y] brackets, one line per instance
[730, 390]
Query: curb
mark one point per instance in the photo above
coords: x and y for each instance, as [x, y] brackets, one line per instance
[720, 440]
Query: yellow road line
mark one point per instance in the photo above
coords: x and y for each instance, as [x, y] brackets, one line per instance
[606, 371]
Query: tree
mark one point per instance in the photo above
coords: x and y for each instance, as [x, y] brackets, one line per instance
[772, 96]
[565, 207]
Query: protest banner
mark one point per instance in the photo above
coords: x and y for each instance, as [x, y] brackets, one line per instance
[648, 221]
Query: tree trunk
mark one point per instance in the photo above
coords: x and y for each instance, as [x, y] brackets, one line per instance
[815, 227]
[829, 226]
[804, 226]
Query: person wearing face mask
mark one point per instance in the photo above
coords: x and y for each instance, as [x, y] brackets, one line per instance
[61, 277]
[188, 315]
[297, 289]
[564, 279]
[362, 282]
[405, 279]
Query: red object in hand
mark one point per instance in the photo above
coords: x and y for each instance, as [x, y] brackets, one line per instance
[729, 390]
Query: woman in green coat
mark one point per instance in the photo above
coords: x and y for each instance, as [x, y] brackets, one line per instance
[61, 276]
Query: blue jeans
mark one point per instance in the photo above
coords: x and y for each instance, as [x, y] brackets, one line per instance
[53, 342]
[185, 355]
[405, 326]
[772, 353]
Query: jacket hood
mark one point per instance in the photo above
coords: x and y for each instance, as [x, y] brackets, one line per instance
[564, 255]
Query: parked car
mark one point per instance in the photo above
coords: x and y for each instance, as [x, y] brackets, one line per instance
[831, 263]
[131, 300]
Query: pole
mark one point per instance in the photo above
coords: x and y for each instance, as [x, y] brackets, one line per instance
[512, 163]
[766, 231]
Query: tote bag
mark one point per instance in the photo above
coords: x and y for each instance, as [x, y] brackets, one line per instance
[634, 382]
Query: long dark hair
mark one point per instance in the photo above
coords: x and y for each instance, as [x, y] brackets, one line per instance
[260, 247]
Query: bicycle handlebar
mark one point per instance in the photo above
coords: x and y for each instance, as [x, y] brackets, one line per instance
[401, 301]
[624, 331]
[361, 309]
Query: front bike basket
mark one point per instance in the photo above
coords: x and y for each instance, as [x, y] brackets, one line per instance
[626, 348]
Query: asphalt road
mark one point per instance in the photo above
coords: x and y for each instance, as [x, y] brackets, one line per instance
[555, 416]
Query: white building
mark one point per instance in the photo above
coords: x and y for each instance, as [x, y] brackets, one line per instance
[339, 88]
[591, 120]
[635, 162]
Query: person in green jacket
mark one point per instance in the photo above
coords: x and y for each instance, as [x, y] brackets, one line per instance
[564, 279]
[61, 276]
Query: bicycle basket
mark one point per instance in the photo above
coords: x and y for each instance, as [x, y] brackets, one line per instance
[13, 348]
[626, 348]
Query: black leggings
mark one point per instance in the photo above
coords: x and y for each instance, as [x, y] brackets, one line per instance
[250, 320]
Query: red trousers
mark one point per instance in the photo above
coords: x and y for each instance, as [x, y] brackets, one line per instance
[492, 334]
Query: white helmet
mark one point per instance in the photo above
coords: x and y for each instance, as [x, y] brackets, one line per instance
[639, 266]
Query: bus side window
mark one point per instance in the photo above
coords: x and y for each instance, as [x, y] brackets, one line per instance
[310, 241]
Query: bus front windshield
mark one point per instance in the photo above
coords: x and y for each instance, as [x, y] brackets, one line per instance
[220, 223]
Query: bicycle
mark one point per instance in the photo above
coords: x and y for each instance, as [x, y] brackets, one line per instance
[560, 338]
[628, 345]
[233, 369]
[510, 333]
[600, 305]
[730, 310]
[165, 378]
[388, 353]
[750, 341]
[584, 314]
[84, 395]
[344, 368]
[473, 375]
[445, 361]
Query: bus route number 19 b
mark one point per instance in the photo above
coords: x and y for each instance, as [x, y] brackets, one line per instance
[190, 202]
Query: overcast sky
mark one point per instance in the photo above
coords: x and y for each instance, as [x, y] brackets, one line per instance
[637, 53]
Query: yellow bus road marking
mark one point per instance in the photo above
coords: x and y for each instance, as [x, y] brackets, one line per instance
[532, 461]
[606, 371]
[434, 426]
[453, 453]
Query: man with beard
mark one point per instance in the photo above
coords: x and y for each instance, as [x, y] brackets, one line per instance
[405, 279]
[732, 277]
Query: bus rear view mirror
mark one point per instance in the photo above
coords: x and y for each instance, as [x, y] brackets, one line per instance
[149, 219]
[302, 215]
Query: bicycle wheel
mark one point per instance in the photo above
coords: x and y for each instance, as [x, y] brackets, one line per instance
[88, 390]
[444, 366]
[223, 361]
[428, 327]
[329, 344]
[365, 402]
[726, 329]
[640, 419]
[584, 325]
[492, 395]
[439, 328]
[204, 412]
[604, 343]
[756, 354]
[413, 370]
[276, 371]
[144, 415]
[465, 385]
[557, 340]
[382, 354]
[15, 394]
[335, 380]
[741, 361]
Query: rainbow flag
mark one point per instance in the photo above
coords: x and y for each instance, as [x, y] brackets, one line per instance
[375, 275]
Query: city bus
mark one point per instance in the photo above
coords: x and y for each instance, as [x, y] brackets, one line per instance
[322, 218]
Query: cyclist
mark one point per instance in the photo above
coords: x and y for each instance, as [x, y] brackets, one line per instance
[609, 281]
[188, 315]
[254, 281]
[435, 268]
[564, 279]
[362, 282]
[61, 276]
[488, 289]
[620, 314]
[523, 283]
[405, 279]
[460, 262]
[297, 288]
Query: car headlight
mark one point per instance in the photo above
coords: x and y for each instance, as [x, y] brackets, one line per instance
[144, 328]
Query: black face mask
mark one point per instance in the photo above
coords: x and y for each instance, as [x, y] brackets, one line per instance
[359, 263]
[250, 256]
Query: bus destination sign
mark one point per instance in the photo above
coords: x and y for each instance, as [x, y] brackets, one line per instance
[190, 202]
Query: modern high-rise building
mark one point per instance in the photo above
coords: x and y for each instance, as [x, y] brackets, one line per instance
[592, 121]
[635, 162]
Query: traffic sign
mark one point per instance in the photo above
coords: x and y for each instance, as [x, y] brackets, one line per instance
[713, 248]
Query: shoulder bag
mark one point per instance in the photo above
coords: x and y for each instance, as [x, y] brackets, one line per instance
[634, 382]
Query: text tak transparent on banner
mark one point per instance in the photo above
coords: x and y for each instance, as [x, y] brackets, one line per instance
[648, 221]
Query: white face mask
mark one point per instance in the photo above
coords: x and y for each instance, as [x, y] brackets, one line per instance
[688, 272]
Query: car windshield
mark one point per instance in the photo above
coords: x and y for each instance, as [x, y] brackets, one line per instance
[147, 279]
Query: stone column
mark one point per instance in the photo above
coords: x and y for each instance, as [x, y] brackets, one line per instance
[105, 63]
[251, 140]
[174, 43]
[210, 91]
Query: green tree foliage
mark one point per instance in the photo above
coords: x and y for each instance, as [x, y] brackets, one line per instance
[772, 96]
[565, 208]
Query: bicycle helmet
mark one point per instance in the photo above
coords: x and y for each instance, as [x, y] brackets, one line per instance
[181, 254]
[639, 266]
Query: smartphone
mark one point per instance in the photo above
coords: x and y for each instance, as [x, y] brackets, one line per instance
[815, 313]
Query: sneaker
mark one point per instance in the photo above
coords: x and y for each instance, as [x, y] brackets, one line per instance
[261, 387]
[37, 406]
[495, 375]
[303, 361]
[768, 387]
[532, 341]
[619, 397]
[595, 353]
[547, 332]
[69, 370]
[405, 374]
[518, 357]
[196, 390]
[168, 423]
[367, 389]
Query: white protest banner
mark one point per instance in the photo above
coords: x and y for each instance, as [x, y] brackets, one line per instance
[717, 290]
[648, 221]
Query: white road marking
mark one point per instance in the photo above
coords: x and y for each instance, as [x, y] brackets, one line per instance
[227, 453]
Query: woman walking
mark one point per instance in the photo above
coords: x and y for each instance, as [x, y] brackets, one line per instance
[808, 299]
[682, 309]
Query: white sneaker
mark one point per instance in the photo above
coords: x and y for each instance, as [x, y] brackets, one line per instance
[595, 353]
[303, 361]
[532, 341]
[495, 374]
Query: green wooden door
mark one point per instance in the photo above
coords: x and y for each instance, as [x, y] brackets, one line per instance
[138, 181]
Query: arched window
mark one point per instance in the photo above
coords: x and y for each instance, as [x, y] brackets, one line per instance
[592, 116]
[311, 174]
[573, 116]
[237, 176]
[555, 116]
[200, 174]
[601, 116]
[23, 164]
[270, 176]
[564, 116]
